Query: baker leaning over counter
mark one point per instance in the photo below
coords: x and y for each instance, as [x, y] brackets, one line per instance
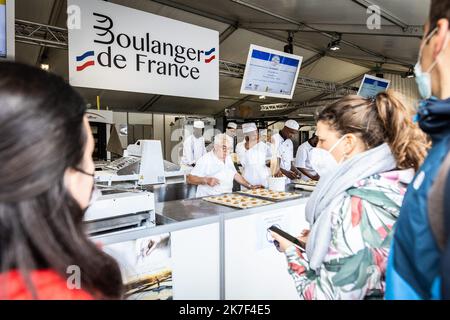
[214, 172]
[284, 147]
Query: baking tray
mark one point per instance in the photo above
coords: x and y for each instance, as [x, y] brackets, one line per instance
[288, 195]
[222, 200]
[305, 185]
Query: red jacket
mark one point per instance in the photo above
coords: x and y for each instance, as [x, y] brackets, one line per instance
[48, 285]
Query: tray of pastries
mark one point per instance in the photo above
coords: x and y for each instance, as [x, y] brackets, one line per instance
[237, 201]
[305, 185]
[271, 195]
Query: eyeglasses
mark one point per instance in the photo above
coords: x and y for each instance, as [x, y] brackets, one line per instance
[95, 193]
[84, 172]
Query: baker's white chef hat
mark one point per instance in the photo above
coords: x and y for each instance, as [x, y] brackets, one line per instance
[199, 124]
[232, 125]
[292, 124]
[249, 127]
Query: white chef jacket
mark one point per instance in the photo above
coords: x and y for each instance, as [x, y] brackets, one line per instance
[193, 149]
[285, 149]
[253, 161]
[211, 166]
[303, 159]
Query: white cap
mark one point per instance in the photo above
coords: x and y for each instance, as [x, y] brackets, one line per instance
[292, 124]
[249, 127]
[232, 125]
[199, 124]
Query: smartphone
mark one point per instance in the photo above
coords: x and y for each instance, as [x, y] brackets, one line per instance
[299, 244]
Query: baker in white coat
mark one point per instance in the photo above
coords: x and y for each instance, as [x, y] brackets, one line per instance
[231, 132]
[214, 173]
[254, 156]
[303, 159]
[285, 149]
[194, 145]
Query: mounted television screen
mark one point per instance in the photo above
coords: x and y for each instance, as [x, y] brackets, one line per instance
[270, 73]
[371, 86]
[2, 28]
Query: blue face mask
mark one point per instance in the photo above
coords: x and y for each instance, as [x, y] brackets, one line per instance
[423, 79]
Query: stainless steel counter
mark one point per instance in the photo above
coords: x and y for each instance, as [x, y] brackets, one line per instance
[195, 208]
[175, 191]
[171, 192]
[187, 209]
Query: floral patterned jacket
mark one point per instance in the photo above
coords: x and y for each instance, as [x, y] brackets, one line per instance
[362, 229]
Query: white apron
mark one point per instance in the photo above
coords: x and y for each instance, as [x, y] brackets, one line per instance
[254, 163]
[226, 178]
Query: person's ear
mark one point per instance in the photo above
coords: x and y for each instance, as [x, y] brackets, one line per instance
[441, 36]
[349, 144]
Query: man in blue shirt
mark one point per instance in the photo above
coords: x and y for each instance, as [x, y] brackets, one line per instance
[416, 262]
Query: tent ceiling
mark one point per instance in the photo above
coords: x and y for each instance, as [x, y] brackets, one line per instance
[410, 12]
[341, 66]
[235, 47]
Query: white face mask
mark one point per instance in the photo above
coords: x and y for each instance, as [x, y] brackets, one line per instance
[322, 161]
[423, 78]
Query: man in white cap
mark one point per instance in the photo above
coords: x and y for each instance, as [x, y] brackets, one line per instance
[194, 145]
[285, 149]
[231, 131]
[214, 173]
[254, 156]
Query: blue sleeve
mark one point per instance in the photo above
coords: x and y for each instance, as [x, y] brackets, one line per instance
[396, 287]
[445, 267]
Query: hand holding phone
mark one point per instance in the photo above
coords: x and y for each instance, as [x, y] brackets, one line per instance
[299, 244]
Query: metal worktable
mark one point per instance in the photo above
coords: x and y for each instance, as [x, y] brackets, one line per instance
[177, 209]
[184, 206]
[171, 192]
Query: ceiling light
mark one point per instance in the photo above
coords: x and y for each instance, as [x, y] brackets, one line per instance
[410, 73]
[289, 47]
[335, 44]
[45, 66]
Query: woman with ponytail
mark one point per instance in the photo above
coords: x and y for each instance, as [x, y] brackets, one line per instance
[370, 149]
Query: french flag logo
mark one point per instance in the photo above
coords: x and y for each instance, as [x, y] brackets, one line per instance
[209, 55]
[84, 59]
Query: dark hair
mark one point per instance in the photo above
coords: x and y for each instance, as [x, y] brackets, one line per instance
[41, 227]
[379, 120]
[439, 9]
